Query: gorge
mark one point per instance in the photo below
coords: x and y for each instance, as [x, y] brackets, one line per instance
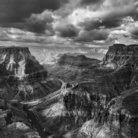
[77, 97]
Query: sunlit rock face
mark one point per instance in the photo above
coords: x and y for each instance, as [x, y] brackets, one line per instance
[22, 80]
[119, 55]
[22, 77]
[17, 61]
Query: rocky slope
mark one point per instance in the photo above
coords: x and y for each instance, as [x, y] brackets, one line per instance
[105, 107]
[65, 115]
[17, 61]
[22, 80]
[22, 77]
[119, 55]
[99, 106]
[77, 68]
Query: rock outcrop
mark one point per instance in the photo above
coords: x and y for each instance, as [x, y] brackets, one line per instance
[119, 55]
[105, 107]
[22, 77]
[18, 62]
[22, 80]
[81, 111]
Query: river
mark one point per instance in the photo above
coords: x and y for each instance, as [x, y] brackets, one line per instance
[34, 122]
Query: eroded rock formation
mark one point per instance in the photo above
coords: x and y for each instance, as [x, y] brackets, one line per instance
[119, 55]
[105, 107]
[18, 61]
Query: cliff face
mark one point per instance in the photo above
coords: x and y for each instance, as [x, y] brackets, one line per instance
[83, 111]
[22, 77]
[18, 62]
[119, 55]
[105, 107]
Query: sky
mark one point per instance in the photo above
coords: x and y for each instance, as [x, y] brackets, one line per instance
[77, 24]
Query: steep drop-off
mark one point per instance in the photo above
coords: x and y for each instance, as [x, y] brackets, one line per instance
[101, 104]
[105, 107]
[67, 113]
[22, 77]
[22, 80]
[119, 55]
[17, 61]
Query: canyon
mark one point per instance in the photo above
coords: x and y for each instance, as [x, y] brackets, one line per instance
[77, 97]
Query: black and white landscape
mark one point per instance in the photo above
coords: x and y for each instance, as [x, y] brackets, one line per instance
[68, 69]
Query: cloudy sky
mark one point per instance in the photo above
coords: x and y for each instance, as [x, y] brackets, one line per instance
[68, 23]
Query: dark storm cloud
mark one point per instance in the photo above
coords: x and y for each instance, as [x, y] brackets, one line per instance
[73, 20]
[39, 23]
[68, 30]
[37, 26]
[96, 24]
[89, 36]
[12, 11]
[109, 18]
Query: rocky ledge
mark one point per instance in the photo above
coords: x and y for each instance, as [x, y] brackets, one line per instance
[18, 62]
[119, 55]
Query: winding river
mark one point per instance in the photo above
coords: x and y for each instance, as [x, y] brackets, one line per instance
[34, 122]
